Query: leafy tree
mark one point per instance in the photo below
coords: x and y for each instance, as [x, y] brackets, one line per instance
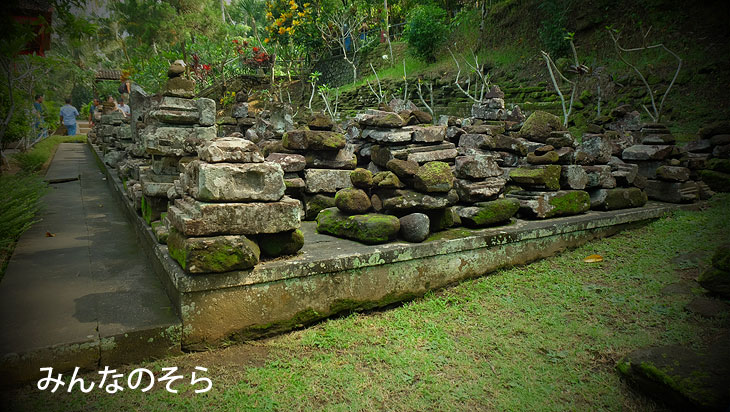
[425, 30]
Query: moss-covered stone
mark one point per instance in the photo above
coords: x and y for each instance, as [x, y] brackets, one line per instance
[434, 177]
[572, 202]
[315, 204]
[152, 208]
[213, 254]
[313, 140]
[718, 181]
[441, 219]
[352, 201]
[681, 377]
[362, 178]
[548, 158]
[485, 214]
[404, 169]
[618, 198]
[721, 258]
[538, 126]
[718, 165]
[543, 177]
[715, 280]
[387, 180]
[369, 228]
[161, 231]
[280, 244]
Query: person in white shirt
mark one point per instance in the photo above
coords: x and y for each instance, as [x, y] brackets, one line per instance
[123, 107]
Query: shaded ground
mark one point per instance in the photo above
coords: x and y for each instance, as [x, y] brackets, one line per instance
[546, 336]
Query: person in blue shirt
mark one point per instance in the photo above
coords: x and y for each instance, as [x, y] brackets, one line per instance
[38, 114]
[68, 117]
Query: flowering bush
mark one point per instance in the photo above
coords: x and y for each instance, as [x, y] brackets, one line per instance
[253, 58]
[286, 18]
[199, 71]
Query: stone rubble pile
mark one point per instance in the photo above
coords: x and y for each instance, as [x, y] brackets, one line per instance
[708, 157]
[171, 131]
[113, 134]
[660, 172]
[231, 210]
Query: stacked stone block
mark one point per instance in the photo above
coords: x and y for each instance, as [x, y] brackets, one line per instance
[174, 127]
[660, 171]
[233, 210]
[708, 157]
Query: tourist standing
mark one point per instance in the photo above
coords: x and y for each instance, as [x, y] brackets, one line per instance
[39, 112]
[92, 111]
[68, 117]
[123, 107]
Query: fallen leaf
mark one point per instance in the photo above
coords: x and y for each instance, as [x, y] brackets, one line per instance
[593, 259]
[49, 234]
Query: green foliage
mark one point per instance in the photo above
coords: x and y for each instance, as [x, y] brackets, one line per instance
[426, 30]
[20, 196]
[552, 30]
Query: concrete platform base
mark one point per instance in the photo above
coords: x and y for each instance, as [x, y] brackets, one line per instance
[332, 275]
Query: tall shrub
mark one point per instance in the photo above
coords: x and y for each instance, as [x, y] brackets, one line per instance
[425, 30]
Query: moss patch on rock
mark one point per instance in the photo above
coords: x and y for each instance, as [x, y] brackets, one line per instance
[570, 203]
[361, 178]
[352, 201]
[280, 244]
[718, 181]
[213, 254]
[538, 126]
[369, 228]
[547, 177]
[434, 177]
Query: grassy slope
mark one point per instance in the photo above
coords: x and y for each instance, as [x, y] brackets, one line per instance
[540, 337]
[698, 33]
[20, 193]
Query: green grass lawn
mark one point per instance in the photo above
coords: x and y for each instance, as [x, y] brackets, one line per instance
[540, 337]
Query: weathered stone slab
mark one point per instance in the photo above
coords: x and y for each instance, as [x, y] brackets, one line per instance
[647, 152]
[542, 205]
[175, 141]
[230, 150]
[476, 141]
[341, 159]
[326, 180]
[488, 213]
[313, 140]
[539, 177]
[428, 134]
[573, 177]
[672, 173]
[672, 192]
[240, 110]
[289, 162]
[235, 182]
[593, 150]
[478, 191]
[369, 229]
[619, 198]
[206, 108]
[215, 254]
[404, 200]
[442, 155]
[380, 119]
[509, 144]
[194, 218]
[155, 185]
[476, 167]
[388, 136]
[599, 176]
